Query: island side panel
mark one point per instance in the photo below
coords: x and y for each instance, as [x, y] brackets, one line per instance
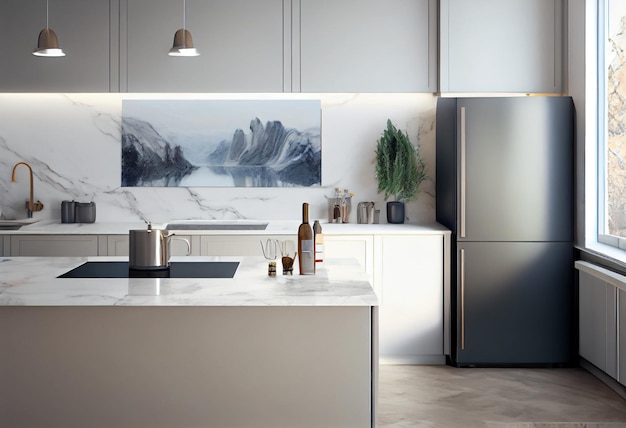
[185, 366]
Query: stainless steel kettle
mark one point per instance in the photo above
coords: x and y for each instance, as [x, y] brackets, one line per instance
[150, 248]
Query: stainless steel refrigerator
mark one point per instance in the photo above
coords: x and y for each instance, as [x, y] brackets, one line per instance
[505, 190]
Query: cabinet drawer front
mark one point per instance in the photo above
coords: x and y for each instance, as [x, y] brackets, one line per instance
[54, 245]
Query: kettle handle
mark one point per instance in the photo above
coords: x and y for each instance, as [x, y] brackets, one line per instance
[168, 237]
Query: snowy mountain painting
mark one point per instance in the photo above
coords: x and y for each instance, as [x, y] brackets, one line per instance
[221, 143]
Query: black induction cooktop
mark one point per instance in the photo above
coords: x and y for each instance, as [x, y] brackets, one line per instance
[176, 270]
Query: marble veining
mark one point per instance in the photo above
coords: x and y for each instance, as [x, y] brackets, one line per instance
[32, 281]
[74, 150]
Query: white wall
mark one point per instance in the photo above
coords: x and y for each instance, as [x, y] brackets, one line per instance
[72, 142]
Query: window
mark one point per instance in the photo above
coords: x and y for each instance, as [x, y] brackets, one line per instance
[612, 123]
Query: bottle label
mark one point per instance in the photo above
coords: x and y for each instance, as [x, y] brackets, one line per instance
[307, 257]
[319, 252]
[307, 245]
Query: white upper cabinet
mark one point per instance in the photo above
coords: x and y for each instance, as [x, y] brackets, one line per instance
[501, 46]
[364, 46]
[240, 44]
[84, 33]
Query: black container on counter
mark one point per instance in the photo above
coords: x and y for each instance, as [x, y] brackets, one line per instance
[85, 212]
[68, 209]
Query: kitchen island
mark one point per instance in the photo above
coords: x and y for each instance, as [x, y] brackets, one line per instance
[251, 351]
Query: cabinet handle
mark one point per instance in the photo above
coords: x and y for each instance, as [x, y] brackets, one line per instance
[462, 299]
[462, 226]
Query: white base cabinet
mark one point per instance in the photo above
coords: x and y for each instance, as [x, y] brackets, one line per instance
[239, 245]
[409, 270]
[406, 271]
[359, 247]
[408, 277]
[54, 245]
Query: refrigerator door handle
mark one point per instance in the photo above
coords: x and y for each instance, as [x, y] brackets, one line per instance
[462, 299]
[462, 174]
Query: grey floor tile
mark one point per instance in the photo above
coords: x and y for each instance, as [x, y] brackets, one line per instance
[448, 397]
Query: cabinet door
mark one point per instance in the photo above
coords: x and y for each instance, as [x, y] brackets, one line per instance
[239, 245]
[355, 247]
[501, 46]
[54, 245]
[240, 44]
[83, 30]
[514, 302]
[366, 46]
[411, 300]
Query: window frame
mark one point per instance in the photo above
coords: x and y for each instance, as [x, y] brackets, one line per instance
[601, 32]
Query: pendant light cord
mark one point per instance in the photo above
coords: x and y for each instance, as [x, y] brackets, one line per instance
[184, 23]
[47, 13]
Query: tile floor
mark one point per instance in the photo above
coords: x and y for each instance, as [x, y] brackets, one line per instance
[448, 397]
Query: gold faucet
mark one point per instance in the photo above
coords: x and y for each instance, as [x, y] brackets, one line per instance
[30, 205]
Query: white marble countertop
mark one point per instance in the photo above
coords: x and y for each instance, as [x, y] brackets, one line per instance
[281, 227]
[32, 281]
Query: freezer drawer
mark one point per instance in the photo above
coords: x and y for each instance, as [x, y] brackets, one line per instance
[513, 303]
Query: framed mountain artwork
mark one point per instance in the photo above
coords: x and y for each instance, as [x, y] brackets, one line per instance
[221, 143]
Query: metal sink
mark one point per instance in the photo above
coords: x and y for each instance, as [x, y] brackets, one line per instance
[10, 226]
[216, 225]
[15, 224]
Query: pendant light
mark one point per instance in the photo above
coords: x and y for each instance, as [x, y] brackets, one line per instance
[48, 43]
[183, 43]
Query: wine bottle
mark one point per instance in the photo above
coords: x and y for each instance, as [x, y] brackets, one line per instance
[306, 249]
[319, 242]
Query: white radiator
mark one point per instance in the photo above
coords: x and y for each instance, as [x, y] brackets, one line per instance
[599, 292]
[603, 274]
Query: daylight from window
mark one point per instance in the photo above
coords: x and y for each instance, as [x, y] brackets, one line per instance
[614, 152]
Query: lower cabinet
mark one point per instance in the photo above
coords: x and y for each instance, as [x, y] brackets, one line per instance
[239, 245]
[54, 245]
[359, 247]
[407, 273]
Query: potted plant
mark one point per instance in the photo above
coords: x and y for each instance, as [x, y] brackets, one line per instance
[400, 170]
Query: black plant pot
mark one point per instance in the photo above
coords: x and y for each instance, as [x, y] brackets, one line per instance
[395, 212]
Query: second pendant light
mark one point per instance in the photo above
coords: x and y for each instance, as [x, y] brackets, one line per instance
[183, 43]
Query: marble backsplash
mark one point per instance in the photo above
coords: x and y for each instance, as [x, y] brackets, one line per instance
[72, 142]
